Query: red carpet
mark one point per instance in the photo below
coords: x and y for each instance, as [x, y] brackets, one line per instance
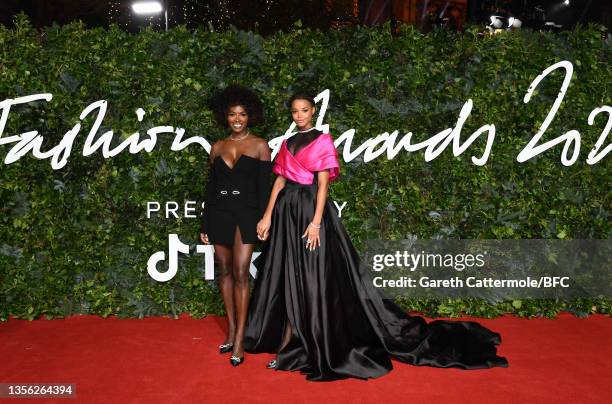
[160, 360]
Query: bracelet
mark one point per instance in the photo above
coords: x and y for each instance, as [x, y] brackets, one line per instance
[315, 226]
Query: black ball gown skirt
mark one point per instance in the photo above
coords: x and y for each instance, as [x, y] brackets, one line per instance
[342, 326]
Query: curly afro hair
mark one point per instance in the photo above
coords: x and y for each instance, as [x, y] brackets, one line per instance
[234, 95]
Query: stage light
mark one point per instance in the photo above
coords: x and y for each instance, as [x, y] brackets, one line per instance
[514, 23]
[566, 2]
[151, 8]
[147, 7]
[496, 22]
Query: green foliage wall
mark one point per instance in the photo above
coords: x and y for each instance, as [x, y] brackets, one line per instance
[76, 240]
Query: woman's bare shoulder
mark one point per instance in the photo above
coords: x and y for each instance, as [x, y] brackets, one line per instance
[216, 148]
[263, 149]
[259, 140]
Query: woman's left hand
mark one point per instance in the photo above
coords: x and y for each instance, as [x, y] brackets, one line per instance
[312, 237]
[263, 227]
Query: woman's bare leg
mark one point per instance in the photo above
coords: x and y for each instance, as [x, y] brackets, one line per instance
[224, 260]
[242, 261]
[286, 336]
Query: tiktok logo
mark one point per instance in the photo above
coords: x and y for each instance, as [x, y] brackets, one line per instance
[175, 246]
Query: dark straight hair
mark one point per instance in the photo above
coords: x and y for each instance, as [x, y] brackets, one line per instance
[301, 95]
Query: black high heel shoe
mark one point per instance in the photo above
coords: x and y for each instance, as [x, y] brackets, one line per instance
[225, 348]
[235, 361]
[272, 364]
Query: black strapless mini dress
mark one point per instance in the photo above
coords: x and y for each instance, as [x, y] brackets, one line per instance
[235, 197]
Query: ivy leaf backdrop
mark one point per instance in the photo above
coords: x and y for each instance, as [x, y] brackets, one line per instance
[77, 239]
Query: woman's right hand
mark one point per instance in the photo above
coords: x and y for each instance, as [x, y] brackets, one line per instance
[204, 238]
[263, 228]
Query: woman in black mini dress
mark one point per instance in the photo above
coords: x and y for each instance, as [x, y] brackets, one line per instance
[236, 197]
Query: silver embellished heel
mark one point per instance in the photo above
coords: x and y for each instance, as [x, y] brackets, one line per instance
[235, 360]
[225, 348]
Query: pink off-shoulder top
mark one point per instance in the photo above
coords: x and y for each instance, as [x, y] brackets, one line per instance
[318, 155]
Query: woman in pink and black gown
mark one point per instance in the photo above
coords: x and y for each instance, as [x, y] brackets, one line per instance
[313, 302]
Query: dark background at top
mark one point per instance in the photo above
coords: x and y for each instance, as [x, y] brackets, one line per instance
[266, 16]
